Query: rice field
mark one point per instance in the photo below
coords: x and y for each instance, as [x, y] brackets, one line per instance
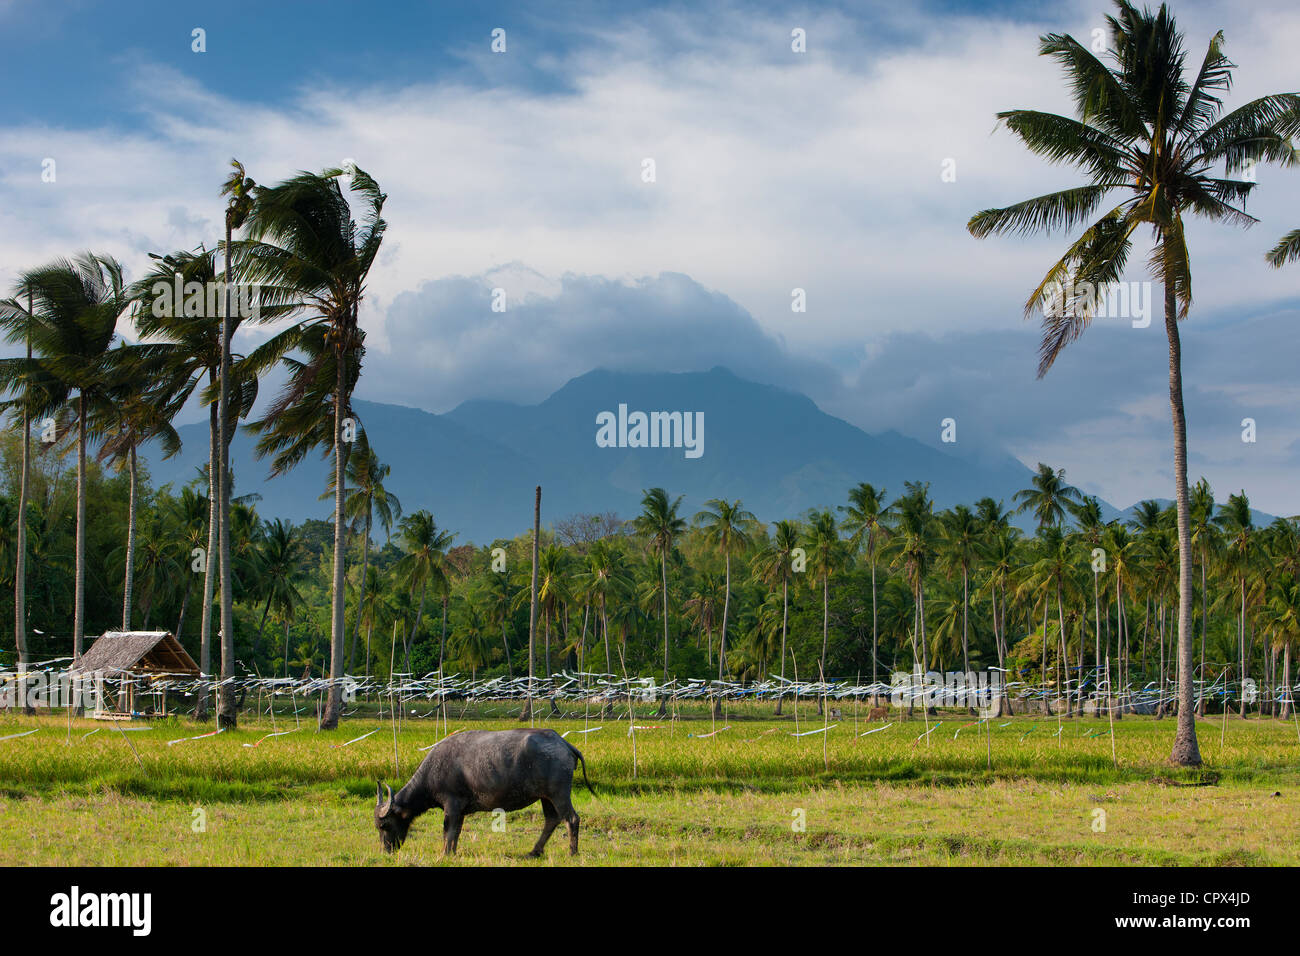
[737, 791]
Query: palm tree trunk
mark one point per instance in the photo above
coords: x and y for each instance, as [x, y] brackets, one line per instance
[210, 564]
[128, 583]
[20, 562]
[726, 609]
[604, 627]
[185, 603]
[334, 706]
[1096, 654]
[965, 614]
[1064, 661]
[79, 592]
[1200, 704]
[410, 638]
[505, 645]
[1241, 646]
[442, 641]
[663, 580]
[785, 616]
[261, 628]
[1286, 681]
[1185, 752]
[874, 638]
[1042, 677]
[532, 604]
[226, 711]
[826, 613]
[365, 567]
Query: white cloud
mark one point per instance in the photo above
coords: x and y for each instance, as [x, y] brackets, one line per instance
[775, 171]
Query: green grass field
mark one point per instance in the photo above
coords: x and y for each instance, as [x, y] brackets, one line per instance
[75, 793]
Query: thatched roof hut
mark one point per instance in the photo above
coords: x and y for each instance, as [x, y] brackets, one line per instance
[131, 658]
[137, 652]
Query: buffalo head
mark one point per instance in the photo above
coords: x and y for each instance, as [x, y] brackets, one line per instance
[390, 820]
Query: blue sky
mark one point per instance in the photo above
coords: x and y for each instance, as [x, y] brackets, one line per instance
[775, 171]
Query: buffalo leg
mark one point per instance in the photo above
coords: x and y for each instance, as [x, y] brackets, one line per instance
[451, 821]
[570, 817]
[548, 826]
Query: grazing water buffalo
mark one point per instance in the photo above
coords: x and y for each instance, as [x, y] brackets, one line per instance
[485, 770]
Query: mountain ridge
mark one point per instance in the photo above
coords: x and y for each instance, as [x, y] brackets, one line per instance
[475, 466]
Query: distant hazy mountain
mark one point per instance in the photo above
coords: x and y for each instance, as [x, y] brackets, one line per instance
[475, 467]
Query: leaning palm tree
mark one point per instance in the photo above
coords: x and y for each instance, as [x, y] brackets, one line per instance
[75, 306]
[303, 236]
[30, 386]
[1155, 135]
[185, 334]
[725, 525]
[660, 523]
[130, 412]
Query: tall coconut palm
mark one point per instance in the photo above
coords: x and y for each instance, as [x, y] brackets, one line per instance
[1147, 130]
[1205, 539]
[1087, 515]
[498, 606]
[239, 190]
[774, 565]
[29, 384]
[959, 531]
[71, 325]
[552, 591]
[131, 411]
[1000, 551]
[184, 333]
[725, 525]
[280, 561]
[191, 518]
[472, 644]
[825, 555]
[605, 577]
[911, 547]
[367, 499]
[865, 521]
[424, 564]
[303, 235]
[1049, 496]
[1283, 613]
[1239, 557]
[1053, 573]
[703, 607]
[661, 526]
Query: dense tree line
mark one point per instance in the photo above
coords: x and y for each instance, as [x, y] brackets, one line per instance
[879, 585]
